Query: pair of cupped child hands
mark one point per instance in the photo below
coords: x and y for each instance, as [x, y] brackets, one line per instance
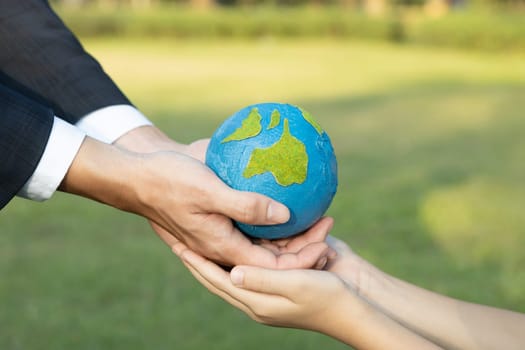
[324, 298]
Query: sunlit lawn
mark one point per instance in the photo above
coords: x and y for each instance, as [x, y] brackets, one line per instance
[432, 189]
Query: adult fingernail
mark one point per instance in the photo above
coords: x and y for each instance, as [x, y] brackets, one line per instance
[237, 276]
[277, 213]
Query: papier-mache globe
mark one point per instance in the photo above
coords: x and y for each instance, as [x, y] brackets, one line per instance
[280, 151]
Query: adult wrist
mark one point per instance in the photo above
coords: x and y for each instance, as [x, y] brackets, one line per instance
[148, 139]
[104, 173]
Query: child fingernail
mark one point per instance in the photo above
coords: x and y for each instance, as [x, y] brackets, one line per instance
[321, 263]
[237, 276]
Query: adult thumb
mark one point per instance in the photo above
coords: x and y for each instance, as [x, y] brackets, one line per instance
[250, 207]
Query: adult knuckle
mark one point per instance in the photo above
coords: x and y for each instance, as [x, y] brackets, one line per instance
[248, 211]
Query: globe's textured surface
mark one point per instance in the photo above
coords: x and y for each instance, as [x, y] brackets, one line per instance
[278, 150]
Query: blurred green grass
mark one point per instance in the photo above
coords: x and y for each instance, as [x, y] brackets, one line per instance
[430, 149]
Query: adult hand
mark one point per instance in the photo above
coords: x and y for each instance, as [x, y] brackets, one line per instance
[209, 231]
[303, 251]
[179, 194]
[184, 197]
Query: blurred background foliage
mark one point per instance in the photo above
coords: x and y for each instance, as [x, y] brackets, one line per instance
[481, 24]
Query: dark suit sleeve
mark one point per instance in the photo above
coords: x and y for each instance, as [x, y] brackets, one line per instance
[48, 63]
[25, 126]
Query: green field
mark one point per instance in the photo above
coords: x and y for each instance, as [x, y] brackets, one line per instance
[431, 156]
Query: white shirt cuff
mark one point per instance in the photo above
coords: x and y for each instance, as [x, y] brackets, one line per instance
[109, 123]
[62, 147]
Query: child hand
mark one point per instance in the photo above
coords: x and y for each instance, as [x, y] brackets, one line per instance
[289, 298]
[307, 299]
[358, 274]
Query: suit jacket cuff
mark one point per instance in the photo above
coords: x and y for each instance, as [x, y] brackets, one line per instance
[62, 147]
[110, 123]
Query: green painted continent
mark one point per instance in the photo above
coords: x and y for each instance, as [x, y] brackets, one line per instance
[308, 117]
[286, 160]
[275, 119]
[250, 127]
